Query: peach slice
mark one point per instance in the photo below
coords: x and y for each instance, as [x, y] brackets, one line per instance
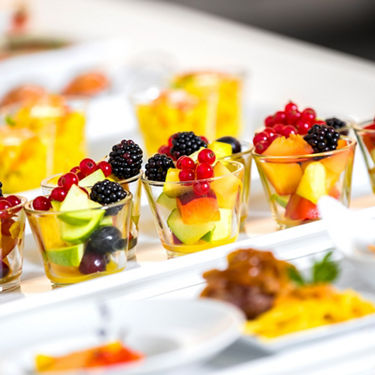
[293, 145]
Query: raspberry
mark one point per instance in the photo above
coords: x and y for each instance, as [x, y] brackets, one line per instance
[157, 167]
[126, 159]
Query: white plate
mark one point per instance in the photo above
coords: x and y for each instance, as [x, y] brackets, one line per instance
[171, 334]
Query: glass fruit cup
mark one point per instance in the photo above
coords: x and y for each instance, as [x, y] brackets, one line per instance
[63, 120]
[187, 222]
[25, 158]
[162, 113]
[133, 185]
[82, 244]
[12, 231]
[294, 184]
[365, 133]
[245, 158]
[227, 86]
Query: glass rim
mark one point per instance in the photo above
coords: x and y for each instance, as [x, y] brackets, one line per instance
[249, 149]
[126, 201]
[46, 185]
[18, 206]
[235, 71]
[359, 126]
[352, 142]
[211, 179]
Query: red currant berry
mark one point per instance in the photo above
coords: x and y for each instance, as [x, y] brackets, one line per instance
[309, 110]
[278, 128]
[58, 194]
[67, 180]
[259, 137]
[4, 205]
[280, 117]
[307, 117]
[75, 170]
[261, 147]
[269, 121]
[292, 117]
[206, 156]
[303, 127]
[87, 166]
[13, 200]
[204, 139]
[291, 107]
[288, 130]
[164, 150]
[201, 188]
[105, 167]
[187, 163]
[203, 171]
[186, 175]
[271, 134]
[319, 122]
[41, 203]
[80, 176]
[84, 190]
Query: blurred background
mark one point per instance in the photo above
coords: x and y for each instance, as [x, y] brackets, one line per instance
[344, 25]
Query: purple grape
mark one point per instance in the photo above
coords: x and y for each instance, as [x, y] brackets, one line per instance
[4, 269]
[92, 263]
[236, 145]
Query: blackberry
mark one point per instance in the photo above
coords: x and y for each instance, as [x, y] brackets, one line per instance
[185, 143]
[1, 192]
[126, 159]
[157, 167]
[106, 192]
[337, 124]
[322, 138]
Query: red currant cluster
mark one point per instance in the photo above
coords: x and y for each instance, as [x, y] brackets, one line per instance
[8, 202]
[284, 123]
[85, 168]
[202, 170]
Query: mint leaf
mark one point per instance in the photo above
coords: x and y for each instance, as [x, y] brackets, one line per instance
[325, 270]
[296, 276]
[9, 120]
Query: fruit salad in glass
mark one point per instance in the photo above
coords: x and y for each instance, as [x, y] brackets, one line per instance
[365, 133]
[123, 165]
[162, 113]
[227, 87]
[81, 234]
[225, 148]
[196, 202]
[300, 159]
[12, 229]
[62, 121]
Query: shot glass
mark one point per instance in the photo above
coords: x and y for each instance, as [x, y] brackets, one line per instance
[228, 88]
[12, 231]
[365, 134]
[294, 184]
[245, 158]
[161, 113]
[82, 244]
[133, 185]
[188, 222]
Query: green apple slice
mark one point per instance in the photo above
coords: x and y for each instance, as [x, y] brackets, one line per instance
[66, 256]
[92, 178]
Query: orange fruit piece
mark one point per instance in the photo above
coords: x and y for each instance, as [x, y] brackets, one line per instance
[293, 145]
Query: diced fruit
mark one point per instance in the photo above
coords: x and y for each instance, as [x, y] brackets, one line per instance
[299, 208]
[66, 256]
[293, 145]
[171, 187]
[227, 187]
[77, 233]
[92, 178]
[198, 209]
[223, 228]
[280, 200]
[284, 177]
[7, 244]
[165, 201]
[187, 234]
[337, 162]
[220, 149]
[107, 220]
[79, 207]
[56, 205]
[234, 142]
[313, 182]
